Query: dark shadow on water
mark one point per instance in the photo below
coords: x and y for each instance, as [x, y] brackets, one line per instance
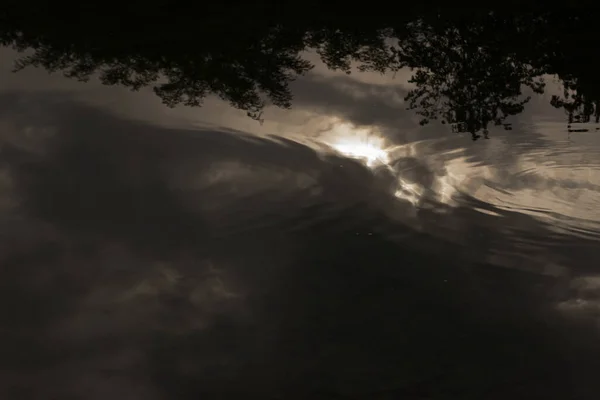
[149, 263]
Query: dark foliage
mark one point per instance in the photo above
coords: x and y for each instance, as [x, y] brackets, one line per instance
[469, 68]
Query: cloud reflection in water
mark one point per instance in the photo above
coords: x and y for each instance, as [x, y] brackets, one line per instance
[300, 291]
[371, 147]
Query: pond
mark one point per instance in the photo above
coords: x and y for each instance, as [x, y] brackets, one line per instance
[339, 250]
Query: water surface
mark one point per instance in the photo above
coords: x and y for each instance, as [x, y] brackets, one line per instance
[148, 262]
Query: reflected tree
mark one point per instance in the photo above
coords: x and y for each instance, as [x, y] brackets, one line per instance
[470, 69]
[581, 102]
[566, 44]
[463, 78]
[242, 74]
[245, 54]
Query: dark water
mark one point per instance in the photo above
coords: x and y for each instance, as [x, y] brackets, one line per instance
[147, 262]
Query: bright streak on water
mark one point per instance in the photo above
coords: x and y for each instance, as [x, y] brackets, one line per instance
[361, 144]
[373, 149]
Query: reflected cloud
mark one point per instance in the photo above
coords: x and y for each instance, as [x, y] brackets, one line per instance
[407, 163]
[409, 191]
[554, 183]
[583, 301]
[203, 259]
[370, 147]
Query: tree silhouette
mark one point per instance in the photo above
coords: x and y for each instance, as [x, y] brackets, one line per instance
[565, 46]
[578, 73]
[580, 102]
[240, 55]
[463, 78]
[470, 67]
[238, 74]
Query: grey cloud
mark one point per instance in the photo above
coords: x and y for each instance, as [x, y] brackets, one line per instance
[382, 106]
[357, 102]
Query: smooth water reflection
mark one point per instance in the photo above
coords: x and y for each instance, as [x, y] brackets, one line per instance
[152, 263]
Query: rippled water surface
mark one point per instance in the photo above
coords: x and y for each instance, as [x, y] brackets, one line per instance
[149, 262]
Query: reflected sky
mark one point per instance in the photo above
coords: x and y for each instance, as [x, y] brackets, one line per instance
[337, 249]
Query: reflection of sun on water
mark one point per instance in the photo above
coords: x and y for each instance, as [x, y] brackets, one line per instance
[371, 148]
[362, 144]
[409, 191]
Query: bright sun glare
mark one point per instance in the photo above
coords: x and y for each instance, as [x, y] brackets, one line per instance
[360, 144]
[371, 148]
[370, 152]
